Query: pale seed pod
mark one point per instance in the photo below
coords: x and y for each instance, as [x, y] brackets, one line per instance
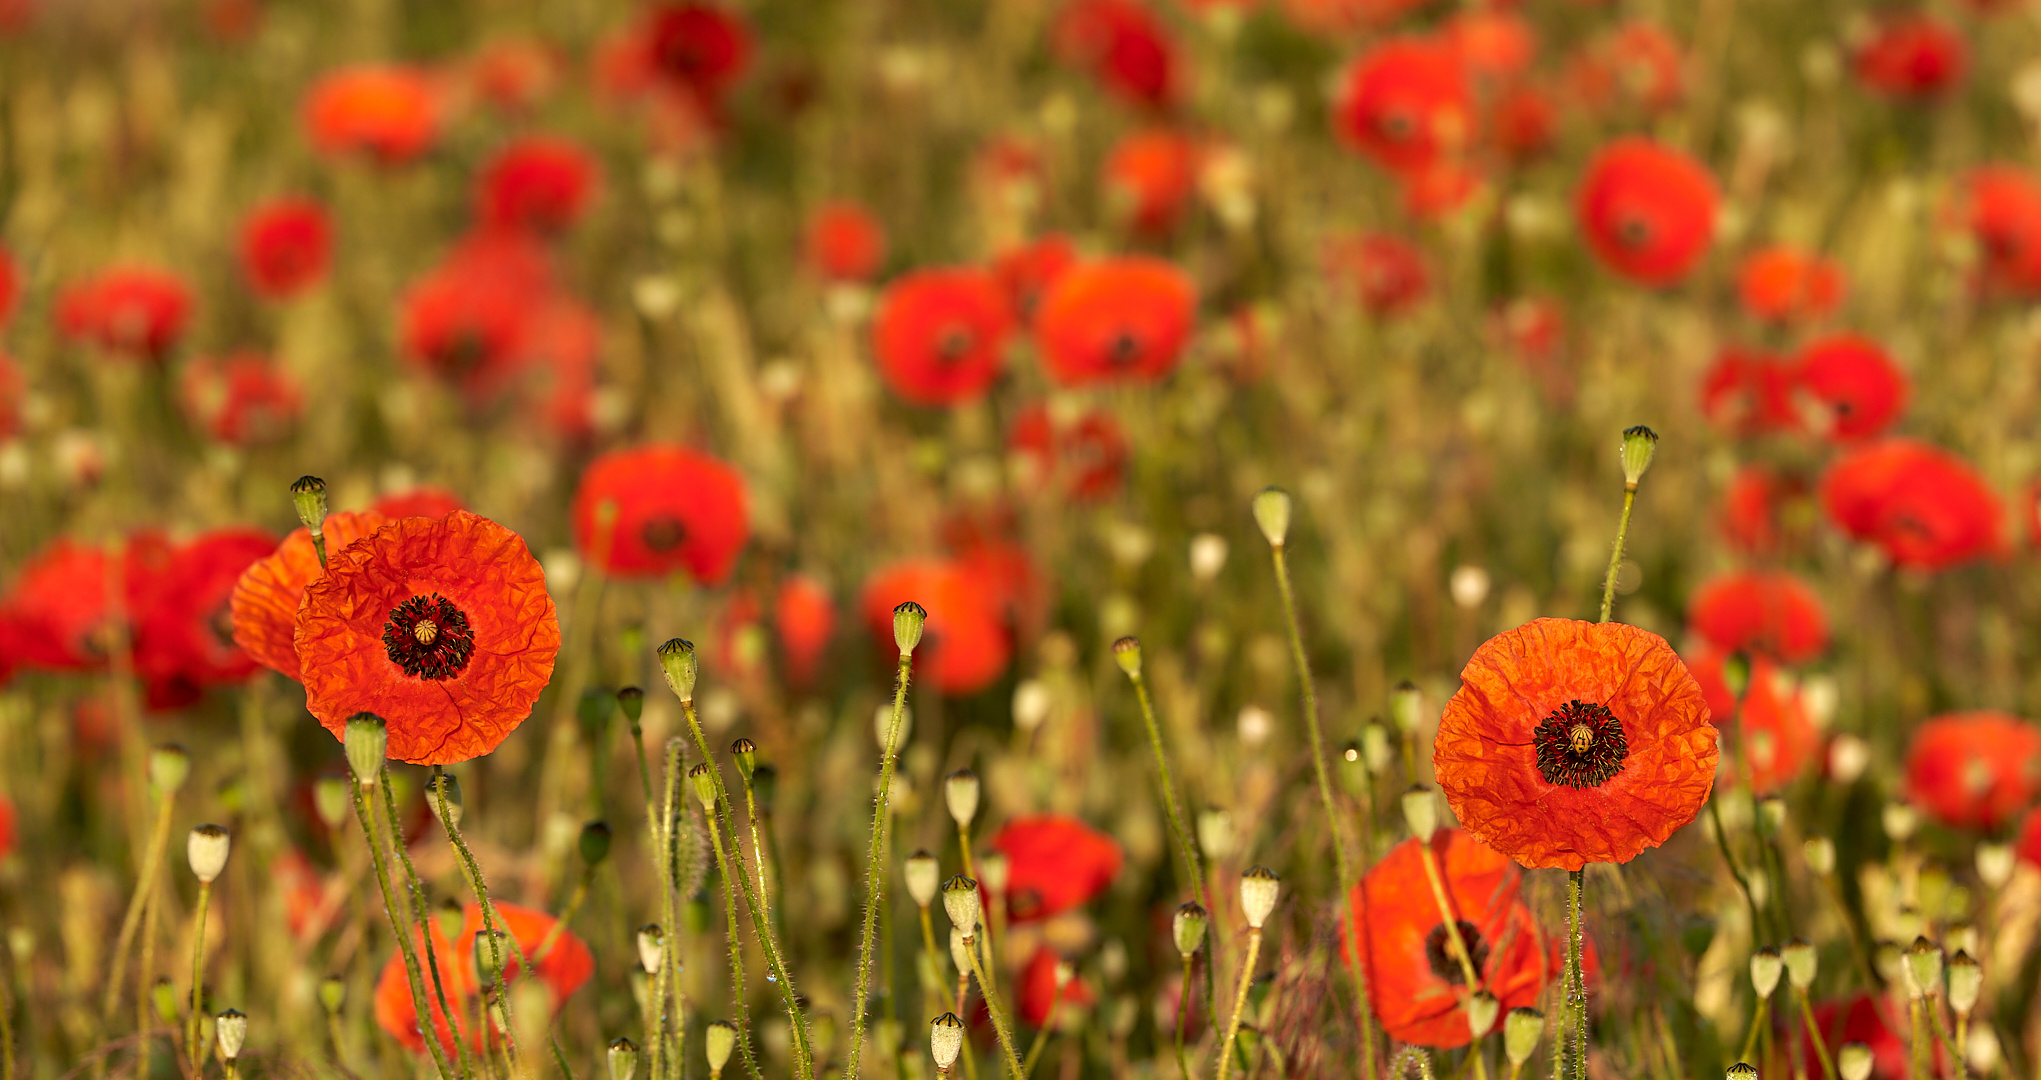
[1820, 852]
[1406, 706]
[207, 849]
[230, 1029]
[719, 1040]
[1259, 888]
[1031, 704]
[1981, 1049]
[1215, 834]
[1272, 515]
[169, 765]
[960, 901]
[1765, 968]
[444, 784]
[1900, 820]
[1923, 968]
[994, 868]
[960, 791]
[960, 951]
[945, 1040]
[1966, 982]
[1421, 813]
[492, 955]
[908, 621]
[924, 877]
[623, 1059]
[1853, 1061]
[677, 661]
[1482, 1008]
[1127, 653]
[1995, 864]
[1208, 556]
[1188, 928]
[1802, 961]
[367, 743]
[1742, 1070]
[329, 799]
[1520, 1033]
[1640, 444]
[651, 947]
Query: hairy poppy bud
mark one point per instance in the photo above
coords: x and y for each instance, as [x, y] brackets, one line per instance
[1765, 968]
[623, 1059]
[492, 953]
[960, 791]
[945, 1040]
[924, 877]
[677, 660]
[1188, 928]
[1923, 968]
[329, 800]
[1127, 653]
[1482, 1008]
[444, 788]
[651, 947]
[1406, 706]
[1520, 1033]
[1966, 982]
[1900, 821]
[207, 849]
[960, 901]
[705, 785]
[1742, 1070]
[332, 993]
[993, 869]
[594, 843]
[632, 701]
[746, 753]
[1272, 514]
[169, 764]
[367, 743]
[1853, 1061]
[1640, 443]
[1801, 962]
[308, 495]
[719, 1039]
[1820, 852]
[230, 1029]
[1421, 813]
[908, 620]
[1995, 864]
[1258, 890]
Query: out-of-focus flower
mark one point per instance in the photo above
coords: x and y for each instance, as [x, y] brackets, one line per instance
[132, 311]
[1749, 391]
[1405, 103]
[425, 502]
[1387, 271]
[388, 112]
[1027, 271]
[1494, 45]
[1925, 507]
[1570, 742]
[675, 509]
[940, 334]
[1974, 770]
[1038, 994]
[265, 600]
[1436, 191]
[1082, 457]
[1148, 179]
[1636, 65]
[1777, 732]
[286, 246]
[965, 645]
[241, 400]
[699, 49]
[1877, 1022]
[1854, 381]
[2000, 207]
[1759, 509]
[804, 616]
[443, 627]
[556, 359]
[10, 286]
[1123, 45]
[844, 242]
[514, 74]
[538, 182]
[1115, 319]
[1769, 612]
[12, 389]
[1912, 55]
[1783, 283]
[1646, 211]
[563, 970]
[465, 321]
[1055, 863]
[183, 626]
[57, 607]
[1523, 122]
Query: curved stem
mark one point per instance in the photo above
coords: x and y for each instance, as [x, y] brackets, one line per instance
[1814, 1035]
[1000, 1026]
[1239, 999]
[405, 946]
[724, 868]
[473, 872]
[1178, 829]
[1041, 1039]
[198, 955]
[145, 885]
[1449, 917]
[1616, 553]
[875, 871]
[416, 892]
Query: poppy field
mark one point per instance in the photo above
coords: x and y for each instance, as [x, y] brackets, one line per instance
[1204, 539]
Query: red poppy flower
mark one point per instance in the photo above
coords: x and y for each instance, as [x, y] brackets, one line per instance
[425, 502]
[466, 320]
[1436, 191]
[1648, 212]
[1494, 45]
[7, 829]
[1405, 103]
[2028, 847]
[1083, 457]
[1038, 994]
[844, 242]
[1753, 511]
[441, 626]
[1912, 55]
[805, 617]
[539, 182]
[1748, 391]
[266, 597]
[57, 608]
[1388, 271]
[1974, 770]
[10, 286]
[1571, 742]
[1524, 122]
[1855, 382]
[1635, 65]
[1927, 508]
[1123, 45]
[1876, 1021]
[556, 357]
[1340, 17]
[184, 628]
[1054, 863]
[1115, 319]
[563, 970]
[1783, 283]
[388, 112]
[2000, 206]
[1416, 985]
[1777, 734]
[131, 311]
[940, 334]
[13, 389]
[1770, 612]
[515, 74]
[1027, 271]
[241, 400]
[702, 50]
[286, 247]
[1148, 179]
[675, 509]
[965, 646]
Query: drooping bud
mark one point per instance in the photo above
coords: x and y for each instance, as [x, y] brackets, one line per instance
[1421, 813]
[1127, 653]
[329, 800]
[1259, 888]
[1801, 962]
[623, 1059]
[677, 659]
[651, 947]
[960, 791]
[169, 764]
[1188, 928]
[908, 621]
[230, 1029]
[1995, 864]
[1900, 821]
[960, 901]
[332, 993]
[1520, 1033]
[746, 753]
[444, 789]
[1406, 706]
[1966, 982]
[1482, 1008]
[993, 870]
[367, 743]
[719, 1040]
[924, 877]
[1820, 852]
[308, 495]
[1742, 1070]
[1766, 966]
[594, 843]
[632, 701]
[1854, 1061]
[1640, 443]
[945, 1040]
[1272, 514]
[1923, 968]
[704, 784]
[207, 849]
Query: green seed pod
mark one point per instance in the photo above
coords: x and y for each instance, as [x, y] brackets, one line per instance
[444, 788]
[1188, 927]
[651, 947]
[1127, 653]
[677, 659]
[1743, 1070]
[169, 765]
[623, 1059]
[1520, 1033]
[704, 784]
[765, 783]
[367, 743]
[330, 798]
[1640, 445]
[945, 1040]
[1966, 982]
[1482, 1008]
[993, 871]
[308, 497]
[1272, 515]
[746, 753]
[1406, 707]
[1421, 813]
[1801, 962]
[719, 1040]
[1923, 968]
[595, 842]
[924, 877]
[960, 902]
[1765, 968]
[632, 701]
[1854, 1061]
[332, 993]
[908, 621]
[960, 792]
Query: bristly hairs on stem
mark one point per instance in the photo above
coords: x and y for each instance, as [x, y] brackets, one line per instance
[908, 621]
[705, 790]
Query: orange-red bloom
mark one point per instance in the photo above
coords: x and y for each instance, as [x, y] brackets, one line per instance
[286, 246]
[57, 609]
[1416, 986]
[10, 286]
[1082, 457]
[425, 502]
[940, 334]
[2000, 207]
[469, 320]
[1572, 742]
[1783, 283]
[1405, 103]
[699, 50]
[388, 112]
[966, 645]
[844, 242]
[1752, 517]
[1927, 508]
[1777, 733]
[1769, 612]
[1038, 994]
[1648, 212]
[1852, 379]
[1148, 178]
[675, 509]
[1388, 272]
[1974, 770]
[1027, 271]
[132, 311]
[1912, 55]
[805, 617]
[1115, 319]
[539, 182]
[440, 626]
[1636, 64]
[1749, 391]
[242, 399]
[563, 970]
[266, 597]
[1123, 45]
[183, 628]
[1055, 863]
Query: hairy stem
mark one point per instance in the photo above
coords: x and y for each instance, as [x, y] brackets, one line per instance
[1616, 553]
[1814, 1035]
[473, 872]
[198, 957]
[730, 874]
[1183, 1008]
[1000, 1026]
[1576, 982]
[1239, 999]
[422, 917]
[405, 946]
[875, 871]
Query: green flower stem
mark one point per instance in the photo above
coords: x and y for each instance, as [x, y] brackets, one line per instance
[1239, 999]
[1942, 1036]
[1183, 1008]
[758, 846]
[416, 891]
[472, 870]
[661, 816]
[1576, 981]
[1616, 554]
[405, 946]
[1449, 917]
[1000, 1026]
[1814, 1035]
[573, 908]
[730, 875]
[1186, 848]
[1918, 1036]
[1757, 1024]
[875, 869]
[145, 886]
[198, 958]
[1041, 1039]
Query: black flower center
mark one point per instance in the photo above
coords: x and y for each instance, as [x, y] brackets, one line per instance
[663, 533]
[221, 623]
[1124, 349]
[1438, 952]
[1580, 745]
[953, 344]
[1633, 232]
[429, 637]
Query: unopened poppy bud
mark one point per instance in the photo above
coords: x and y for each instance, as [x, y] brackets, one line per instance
[746, 753]
[678, 661]
[1127, 653]
[1765, 968]
[1742, 1070]
[1258, 890]
[444, 789]
[960, 791]
[1760, 885]
[1966, 982]
[492, 951]
[1421, 813]
[908, 621]
[332, 993]
[651, 947]
[1482, 1008]
[1995, 864]
[1820, 852]
[1520, 1033]
[367, 743]
[329, 800]
[719, 1040]
[207, 849]
[993, 870]
[945, 1040]
[1853, 1061]
[960, 900]
[1900, 821]
[632, 701]
[308, 495]
[169, 764]
[1406, 706]
[924, 877]
[1375, 751]
[1801, 962]
[1959, 938]
[1923, 968]
[623, 1059]
[1640, 443]
[705, 785]
[230, 1030]
[1188, 928]
[1272, 514]
[594, 842]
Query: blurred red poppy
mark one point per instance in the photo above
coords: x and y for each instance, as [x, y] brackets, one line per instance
[1039, 996]
[184, 627]
[286, 246]
[1974, 770]
[1081, 457]
[465, 321]
[1776, 733]
[1436, 191]
[10, 286]
[543, 183]
[1148, 178]
[557, 355]
[241, 400]
[1876, 1021]
[1854, 381]
[2028, 846]
[132, 311]
[1416, 985]
[2000, 207]
[1523, 122]
[1405, 103]
[1783, 283]
[676, 509]
[940, 334]
[1027, 271]
[966, 645]
[563, 970]
[1748, 391]
[57, 607]
[12, 390]
[1114, 319]
[1755, 504]
[1912, 55]
[701, 50]
[805, 617]
[1055, 863]
[1388, 272]
[265, 600]
[1927, 508]
[1494, 45]
[442, 626]
[844, 242]
[1635, 65]
[425, 502]
[1770, 612]
[388, 112]
[1647, 212]
[1121, 44]
[515, 74]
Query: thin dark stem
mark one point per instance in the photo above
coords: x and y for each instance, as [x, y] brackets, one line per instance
[405, 946]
